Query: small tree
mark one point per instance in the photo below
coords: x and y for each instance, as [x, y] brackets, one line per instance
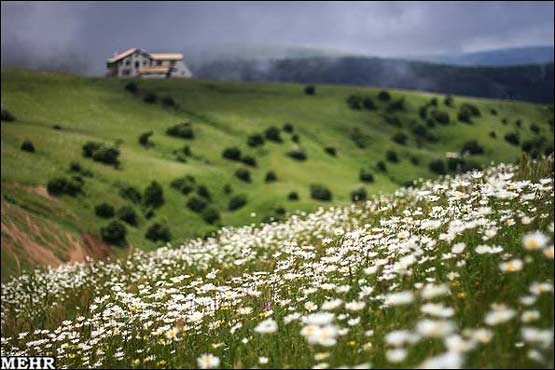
[391, 156]
[154, 195]
[211, 215]
[114, 233]
[287, 127]
[128, 215]
[232, 153]
[182, 130]
[104, 210]
[272, 133]
[320, 192]
[437, 166]
[310, 90]
[131, 87]
[27, 146]
[400, 138]
[297, 154]
[158, 232]
[249, 160]
[150, 98]
[237, 202]
[270, 176]
[293, 196]
[359, 195]
[196, 204]
[144, 139]
[366, 176]
[384, 95]
[331, 151]
[6, 116]
[255, 140]
[243, 174]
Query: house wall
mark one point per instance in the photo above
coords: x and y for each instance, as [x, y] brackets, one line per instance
[129, 66]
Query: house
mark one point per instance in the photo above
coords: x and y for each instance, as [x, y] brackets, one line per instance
[137, 63]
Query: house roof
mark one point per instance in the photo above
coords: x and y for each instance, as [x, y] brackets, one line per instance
[166, 56]
[153, 70]
[122, 55]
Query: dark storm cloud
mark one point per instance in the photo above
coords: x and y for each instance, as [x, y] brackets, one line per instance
[87, 33]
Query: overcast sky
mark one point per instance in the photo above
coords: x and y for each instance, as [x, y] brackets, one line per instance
[90, 32]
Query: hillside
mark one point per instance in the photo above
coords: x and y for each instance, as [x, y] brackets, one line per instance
[60, 113]
[456, 273]
[530, 82]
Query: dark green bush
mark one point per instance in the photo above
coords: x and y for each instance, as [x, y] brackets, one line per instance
[90, 147]
[168, 101]
[158, 232]
[27, 146]
[472, 147]
[467, 111]
[75, 166]
[255, 140]
[182, 130]
[381, 166]
[535, 128]
[131, 87]
[6, 116]
[114, 233]
[295, 138]
[433, 102]
[106, 154]
[150, 98]
[393, 120]
[128, 215]
[504, 121]
[440, 117]
[360, 139]
[448, 101]
[396, 106]
[437, 166]
[492, 134]
[493, 112]
[243, 174]
[104, 210]
[354, 102]
[464, 116]
[237, 202]
[368, 103]
[144, 138]
[293, 196]
[228, 189]
[310, 90]
[512, 138]
[232, 153]
[384, 95]
[211, 215]
[297, 154]
[153, 195]
[57, 127]
[414, 160]
[359, 195]
[320, 192]
[270, 176]
[423, 112]
[272, 133]
[132, 194]
[287, 127]
[366, 176]
[196, 204]
[331, 151]
[391, 156]
[203, 192]
[249, 160]
[518, 123]
[400, 138]
[62, 185]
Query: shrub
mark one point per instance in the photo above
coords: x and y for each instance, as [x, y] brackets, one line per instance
[400, 138]
[243, 174]
[448, 101]
[90, 147]
[433, 102]
[196, 204]
[396, 106]
[293, 196]
[467, 111]
[6, 116]
[114, 233]
[310, 90]
[153, 195]
[384, 95]
[211, 215]
[440, 117]
[368, 103]
[237, 202]
[464, 116]
[366, 176]
[518, 123]
[158, 232]
[203, 192]
[297, 154]
[320, 192]
[493, 112]
[295, 138]
[131, 87]
[287, 127]
[331, 151]
[168, 101]
[182, 130]
[62, 185]
[423, 112]
[255, 140]
[132, 194]
[75, 166]
[393, 120]
[437, 166]
[492, 134]
[359, 195]
[473, 109]
[354, 102]
[57, 127]
[128, 215]
[360, 139]
[270, 176]
[106, 154]
[272, 133]
[381, 166]
[280, 211]
[391, 156]
[504, 121]
[27, 146]
[228, 189]
[535, 128]
[472, 147]
[249, 160]
[104, 210]
[512, 138]
[150, 98]
[144, 138]
[414, 160]
[232, 153]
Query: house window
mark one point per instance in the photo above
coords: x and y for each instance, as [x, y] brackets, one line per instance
[126, 72]
[137, 64]
[127, 62]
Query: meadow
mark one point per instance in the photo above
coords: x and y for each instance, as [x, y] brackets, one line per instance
[60, 206]
[454, 272]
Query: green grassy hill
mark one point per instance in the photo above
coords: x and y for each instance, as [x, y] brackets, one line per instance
[59, 113]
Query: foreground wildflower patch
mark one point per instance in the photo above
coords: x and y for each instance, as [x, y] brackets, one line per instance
[457, 272]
